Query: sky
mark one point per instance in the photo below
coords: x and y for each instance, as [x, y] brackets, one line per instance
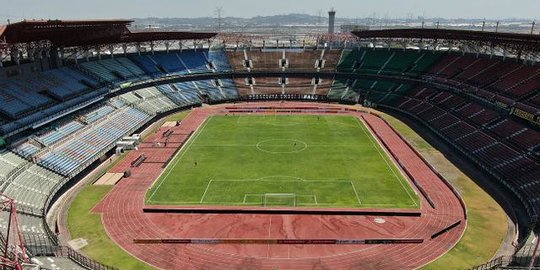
[16, 10]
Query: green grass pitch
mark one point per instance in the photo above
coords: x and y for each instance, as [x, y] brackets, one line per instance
[283, 160]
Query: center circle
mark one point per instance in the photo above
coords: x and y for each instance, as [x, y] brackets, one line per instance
[281, 146]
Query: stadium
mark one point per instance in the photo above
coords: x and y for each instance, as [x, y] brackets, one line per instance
[413, 148]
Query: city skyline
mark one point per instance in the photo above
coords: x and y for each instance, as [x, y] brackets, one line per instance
[389, 9]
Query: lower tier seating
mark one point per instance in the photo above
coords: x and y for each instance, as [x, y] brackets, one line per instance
[72, 155]
[495, 145]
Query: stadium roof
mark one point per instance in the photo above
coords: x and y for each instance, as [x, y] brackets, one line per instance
[85, 33]
[514, 40]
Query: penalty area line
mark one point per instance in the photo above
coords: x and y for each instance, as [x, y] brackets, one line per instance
[356, 193]
[178, 157]
[206, 190]
[374, 139]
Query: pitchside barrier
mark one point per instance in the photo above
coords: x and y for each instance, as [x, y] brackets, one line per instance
[168, 133]
[279, 211]
[138, 161]
[258, 241]
[445, 230]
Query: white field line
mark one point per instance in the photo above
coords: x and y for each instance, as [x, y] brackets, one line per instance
[206, 190]
[253, 195]
[255, 145]
[371, 137]
[254, 203]
[199, 131]
[261, 195]
[355, 192]
[256, 180]
[178, 157]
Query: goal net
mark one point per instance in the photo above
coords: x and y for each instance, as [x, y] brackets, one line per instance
[279, 199]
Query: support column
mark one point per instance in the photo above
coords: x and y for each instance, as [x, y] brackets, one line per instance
[62, 54]
[138, 48]
[30, 51]
[15, 55]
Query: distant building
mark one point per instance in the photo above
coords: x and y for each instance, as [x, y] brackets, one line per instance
[345, 28]
[331, 21]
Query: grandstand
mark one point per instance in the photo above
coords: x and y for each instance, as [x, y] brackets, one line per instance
[60, 119]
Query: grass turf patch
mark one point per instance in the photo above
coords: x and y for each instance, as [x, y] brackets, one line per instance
[82, 223]
[332, 158]
[177, 116]
[486, 224]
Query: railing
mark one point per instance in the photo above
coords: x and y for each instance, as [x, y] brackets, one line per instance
[55, 115]
[78, 258]
[13, 174]
[85, 261]
[493, 264]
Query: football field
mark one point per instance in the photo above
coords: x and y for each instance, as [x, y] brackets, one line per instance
[283, 160]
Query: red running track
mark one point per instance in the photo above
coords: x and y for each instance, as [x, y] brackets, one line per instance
[124, 219]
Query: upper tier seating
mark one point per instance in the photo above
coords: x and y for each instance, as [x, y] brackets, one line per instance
[28, 93]
[165, 63]
[195, 61]
[219, 60]
[237, 59]
[65, 82]
[115, 69]
[147, 64]
[306, 60]
[176, 62]
[261, 61]
[330, 59]
[273, 85]
[284, 59]
[385, 61]
[505, 78]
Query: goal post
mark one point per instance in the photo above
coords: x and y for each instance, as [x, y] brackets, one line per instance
[279, 199]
